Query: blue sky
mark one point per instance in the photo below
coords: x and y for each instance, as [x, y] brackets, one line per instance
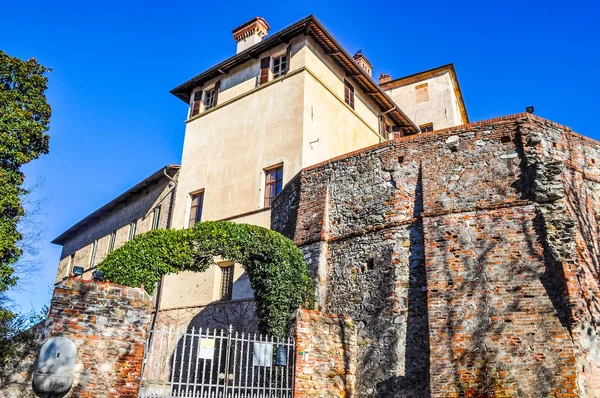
[114, 121]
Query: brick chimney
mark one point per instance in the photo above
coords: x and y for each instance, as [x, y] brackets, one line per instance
[363, 62]
[248, 34]
[384, 78]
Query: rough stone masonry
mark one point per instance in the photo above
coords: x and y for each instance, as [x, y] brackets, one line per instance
[469, 258]
[108, 324]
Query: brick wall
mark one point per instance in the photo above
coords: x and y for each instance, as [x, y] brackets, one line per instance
[468, 258]
[325, 355]
[108, 324]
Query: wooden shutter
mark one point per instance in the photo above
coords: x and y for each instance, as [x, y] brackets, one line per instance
[216, 94]
[265, 64]
[196, 103]
[288, 58]
[383, 128]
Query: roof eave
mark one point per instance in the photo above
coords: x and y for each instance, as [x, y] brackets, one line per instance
[60, 240]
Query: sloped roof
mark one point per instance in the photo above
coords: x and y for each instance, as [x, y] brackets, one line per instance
[170, 169]
[420, 76]
[307, 26]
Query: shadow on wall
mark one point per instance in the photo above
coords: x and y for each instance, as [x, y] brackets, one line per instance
[214, 320]
[484, 299]
[415, 381]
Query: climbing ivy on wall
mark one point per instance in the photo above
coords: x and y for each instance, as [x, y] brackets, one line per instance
[275, 266]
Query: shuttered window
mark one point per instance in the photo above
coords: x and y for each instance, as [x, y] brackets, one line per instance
[273, 184]
[196, 103]
[349, 93]
[264, 70]
[226, 282]
[196, 208]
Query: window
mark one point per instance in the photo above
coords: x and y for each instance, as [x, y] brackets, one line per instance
[111, 242]
[196, 208]
[70, 264]
[93, 253]
[264, 70]
[196, 103]
[422, 92]
[209, 99]
[132, 227]
[226, 282]
[155, 218]
[349, 93]
[279, 66]
[426, 128]
[273, 183]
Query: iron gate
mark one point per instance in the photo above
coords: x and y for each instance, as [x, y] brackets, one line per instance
[215, 363]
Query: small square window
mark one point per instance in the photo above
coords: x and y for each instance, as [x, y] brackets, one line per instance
[426, 128]
[273, 184]
[226, 282]
[196, 208]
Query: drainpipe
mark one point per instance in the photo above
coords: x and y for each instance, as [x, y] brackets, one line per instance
[161, 281]
[379, 121]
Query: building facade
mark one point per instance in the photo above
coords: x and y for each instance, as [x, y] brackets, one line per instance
[146, 206]
[282, 103]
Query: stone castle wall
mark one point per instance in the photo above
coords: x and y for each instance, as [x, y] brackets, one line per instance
[108, 324]
[468, 258]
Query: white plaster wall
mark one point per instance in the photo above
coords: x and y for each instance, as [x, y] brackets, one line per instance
[441, 109]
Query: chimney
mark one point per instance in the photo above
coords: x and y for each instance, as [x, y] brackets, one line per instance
[384, 78]
[248, 34]
[363, 62]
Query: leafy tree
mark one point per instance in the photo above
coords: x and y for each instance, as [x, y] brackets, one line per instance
[24, 121]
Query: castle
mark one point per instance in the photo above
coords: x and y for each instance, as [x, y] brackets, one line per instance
[467, 253]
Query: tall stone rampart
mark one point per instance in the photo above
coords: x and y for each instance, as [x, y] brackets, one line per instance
[468, 258]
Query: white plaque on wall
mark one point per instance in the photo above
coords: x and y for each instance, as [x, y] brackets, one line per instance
[207, 349]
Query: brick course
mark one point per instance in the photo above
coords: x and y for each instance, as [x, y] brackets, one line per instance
[108, 324]
[468, 257]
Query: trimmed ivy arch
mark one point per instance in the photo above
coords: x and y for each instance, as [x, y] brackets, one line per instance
[278, 274]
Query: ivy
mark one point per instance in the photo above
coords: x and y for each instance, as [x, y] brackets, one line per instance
[278, 275]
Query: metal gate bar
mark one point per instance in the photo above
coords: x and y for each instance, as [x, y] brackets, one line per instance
[216, 363]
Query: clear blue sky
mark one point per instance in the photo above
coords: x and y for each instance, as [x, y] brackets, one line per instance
[114, 121]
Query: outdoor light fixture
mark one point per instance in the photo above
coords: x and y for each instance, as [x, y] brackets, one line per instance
[529, 109]
[98, 276]
[77, 271]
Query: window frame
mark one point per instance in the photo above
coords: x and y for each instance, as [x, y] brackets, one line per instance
[349, 97]
[282, 66]
[111, 242]
[426, 128]
[155, 218]
[132, 230]
[277, 169]
[227, 271]
[209, 98]
[93, 253]
[198, 215]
